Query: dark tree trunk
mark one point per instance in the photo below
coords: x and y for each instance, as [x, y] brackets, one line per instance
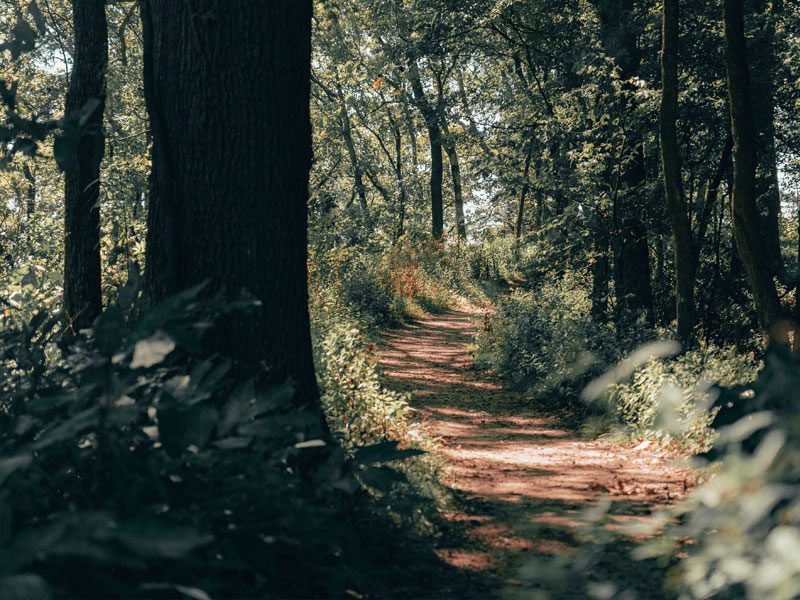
[767, 186]
[401, 186]
[458, 192]
[82, 291]
[673, 183]
[712, 193]
[749, 241]
[435, 138]
[437, 168]
[349, 142]
[523, 194]
[30, 202]
[600, 269]
[632, 254]
[227, 91]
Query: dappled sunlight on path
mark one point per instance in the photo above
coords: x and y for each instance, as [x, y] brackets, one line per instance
[523, 475]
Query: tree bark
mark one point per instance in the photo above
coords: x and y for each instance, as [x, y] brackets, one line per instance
[30, 202]
[767, 184]
[749, 241]
[227, 91]
[600, 268]
[673, 185]
[523, 192]
[712, 193]
[349, 142]
[82, 279]
[632, 280]
[435, 139]
[455, 174]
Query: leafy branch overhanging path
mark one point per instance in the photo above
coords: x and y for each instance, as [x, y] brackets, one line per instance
[523, 473]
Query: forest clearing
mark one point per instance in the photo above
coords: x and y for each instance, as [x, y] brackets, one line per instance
[366, 299]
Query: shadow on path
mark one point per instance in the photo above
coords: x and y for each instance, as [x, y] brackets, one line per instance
[521, 474]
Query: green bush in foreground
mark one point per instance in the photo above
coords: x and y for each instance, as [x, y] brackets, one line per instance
[131, 466]
[744, 523]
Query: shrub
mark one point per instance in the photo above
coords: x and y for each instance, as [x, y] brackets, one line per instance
[669, 398]
[132, 466]
[744, 522]
[545, 337]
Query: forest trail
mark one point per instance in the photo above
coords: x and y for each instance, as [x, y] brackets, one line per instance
[521, 472]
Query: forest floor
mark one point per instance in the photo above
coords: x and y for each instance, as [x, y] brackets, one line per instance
[521, 472]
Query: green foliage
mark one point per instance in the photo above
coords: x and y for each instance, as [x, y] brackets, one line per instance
[131, 465]
[544, 337]
[669, 398]
[744, 522]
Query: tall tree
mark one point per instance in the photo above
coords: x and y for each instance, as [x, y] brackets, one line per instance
[227, 90]
[82, 281]
[632, 282]
[749, 241]
[673, 179]
[435, 140]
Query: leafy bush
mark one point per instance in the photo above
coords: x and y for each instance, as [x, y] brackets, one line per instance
[744, 522]
[131, 466]
[545, 336]
[360, 410]
[669, 398]
[353, 279]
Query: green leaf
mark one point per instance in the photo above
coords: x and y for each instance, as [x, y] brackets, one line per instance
[13, 463]
[151, 539]
[26, 586]
[180, 427]
[151, 351]
[69, 429]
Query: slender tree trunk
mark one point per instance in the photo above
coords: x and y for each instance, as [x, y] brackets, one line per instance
[632, 271]
[712, 193]
[228, 91]
[347, 137]
[767, 184]
[82, 285]
[455, 173]
[435, 139]
[437, 167]
[523, 192]
[749, 241]
[401, 186]
[30, 204]
[600, 268]
[673, 184]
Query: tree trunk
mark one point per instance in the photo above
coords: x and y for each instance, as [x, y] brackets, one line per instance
[30, 203]
[600, 269]
[401, 186]
[673, 184]
[347, 136]
[749, 241]
[632, 254]
[767, 185]
[523, 192]
[712, 193]
[82, 291]
[227, 91]
[455, 173]
[435, 138]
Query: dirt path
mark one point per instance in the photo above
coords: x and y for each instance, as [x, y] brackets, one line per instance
[522, 474]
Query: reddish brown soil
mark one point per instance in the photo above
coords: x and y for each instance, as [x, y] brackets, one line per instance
[522, 472]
